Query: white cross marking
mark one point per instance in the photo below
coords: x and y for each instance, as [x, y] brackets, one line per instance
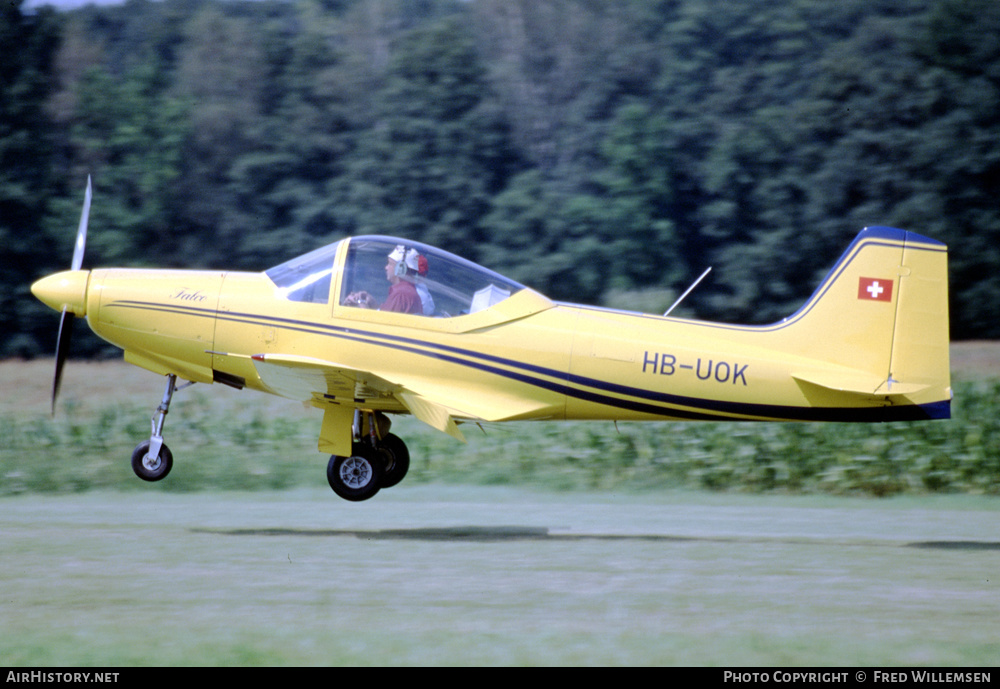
[875, 289]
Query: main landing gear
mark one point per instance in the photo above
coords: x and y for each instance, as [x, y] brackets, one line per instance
[378, 460]
[151, 459]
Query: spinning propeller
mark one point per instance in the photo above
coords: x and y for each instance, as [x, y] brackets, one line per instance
[67, 291]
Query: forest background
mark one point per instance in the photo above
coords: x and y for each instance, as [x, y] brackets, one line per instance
[600, 152]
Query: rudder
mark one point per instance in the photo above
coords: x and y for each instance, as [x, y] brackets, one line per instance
[921, 339]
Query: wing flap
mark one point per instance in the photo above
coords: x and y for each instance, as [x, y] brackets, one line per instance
[432, 414]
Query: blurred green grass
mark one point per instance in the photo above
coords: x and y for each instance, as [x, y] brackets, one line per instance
[229, 440]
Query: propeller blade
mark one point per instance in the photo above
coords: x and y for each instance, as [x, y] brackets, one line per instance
[62, 350]
[65, 336]
[81, 233]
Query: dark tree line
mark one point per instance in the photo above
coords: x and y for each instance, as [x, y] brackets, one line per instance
[600, 152]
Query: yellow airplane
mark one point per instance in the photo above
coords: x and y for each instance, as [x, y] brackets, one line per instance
[370, 327]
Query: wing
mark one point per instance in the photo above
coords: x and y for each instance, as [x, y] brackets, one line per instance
[438, 403]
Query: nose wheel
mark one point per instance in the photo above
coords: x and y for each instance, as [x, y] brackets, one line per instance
[151, 465]
[152, 459]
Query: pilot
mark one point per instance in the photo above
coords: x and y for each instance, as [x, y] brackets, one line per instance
[403, 297]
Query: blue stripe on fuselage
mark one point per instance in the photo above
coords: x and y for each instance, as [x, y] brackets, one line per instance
[571, 385]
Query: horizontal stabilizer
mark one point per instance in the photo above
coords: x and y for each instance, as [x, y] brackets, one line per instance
[893, 387]
[858, 382]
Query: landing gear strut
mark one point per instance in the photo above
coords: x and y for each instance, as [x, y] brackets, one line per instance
[152, 459]
[375, 462]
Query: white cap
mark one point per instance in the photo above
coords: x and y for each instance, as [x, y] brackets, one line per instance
[412, 260]
[411, 257]
[398, 253]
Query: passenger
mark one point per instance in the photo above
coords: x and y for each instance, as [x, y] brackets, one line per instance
[403, 297]
[417, 263]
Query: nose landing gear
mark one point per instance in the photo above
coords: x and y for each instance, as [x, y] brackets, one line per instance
[152, 459]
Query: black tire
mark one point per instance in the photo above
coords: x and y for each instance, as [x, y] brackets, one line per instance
[151, 469]
[357, 477]
[397, 460]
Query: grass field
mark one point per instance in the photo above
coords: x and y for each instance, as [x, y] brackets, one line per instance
[244, 557]
[434, 575]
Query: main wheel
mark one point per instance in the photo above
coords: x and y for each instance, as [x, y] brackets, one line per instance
[357, 477]
[396, 457]
[151, 468]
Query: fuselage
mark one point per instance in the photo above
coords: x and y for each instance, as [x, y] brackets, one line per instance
[571, 362]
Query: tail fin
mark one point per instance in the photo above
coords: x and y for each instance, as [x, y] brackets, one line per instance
[880, 321]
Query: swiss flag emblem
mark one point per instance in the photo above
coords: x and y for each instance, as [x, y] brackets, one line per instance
[875, 289]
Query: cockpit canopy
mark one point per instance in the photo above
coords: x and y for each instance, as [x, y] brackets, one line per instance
[446, 285]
